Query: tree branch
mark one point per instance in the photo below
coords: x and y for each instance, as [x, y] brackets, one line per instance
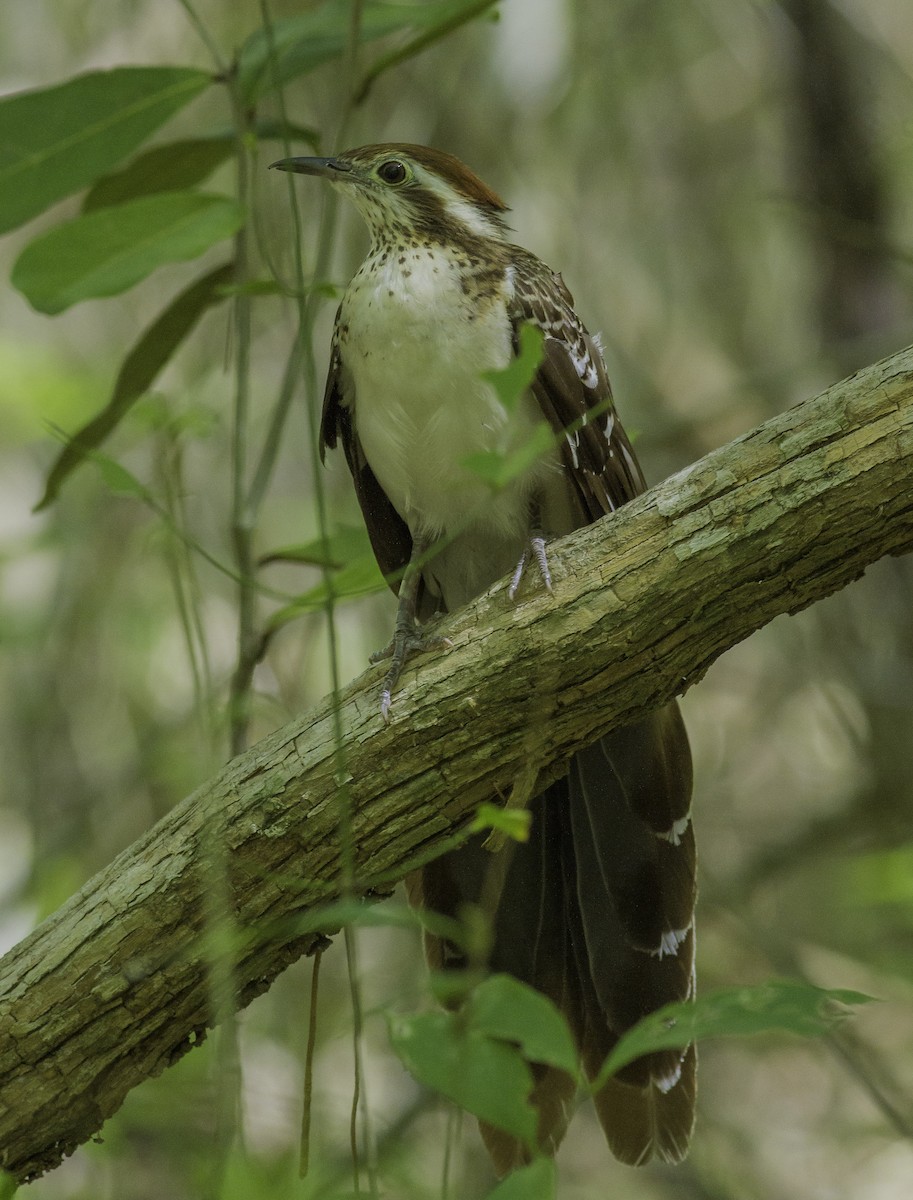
[115, 986]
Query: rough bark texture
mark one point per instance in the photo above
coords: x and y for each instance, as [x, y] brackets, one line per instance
[115, 986]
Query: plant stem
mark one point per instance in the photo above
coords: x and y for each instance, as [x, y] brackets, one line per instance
[419, 43]
[242, 520]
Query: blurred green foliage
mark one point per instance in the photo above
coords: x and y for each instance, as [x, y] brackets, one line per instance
[727, 190]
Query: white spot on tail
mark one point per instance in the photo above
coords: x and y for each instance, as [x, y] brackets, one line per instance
[670, 942]
[674, 835]
[667, 1082]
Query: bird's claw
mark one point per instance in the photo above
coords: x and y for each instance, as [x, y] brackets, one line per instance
[535, 551]
[404, 643]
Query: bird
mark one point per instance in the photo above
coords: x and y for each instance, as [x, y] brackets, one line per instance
[596, 908]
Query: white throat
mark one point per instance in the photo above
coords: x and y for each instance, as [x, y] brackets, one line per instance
[415, 348]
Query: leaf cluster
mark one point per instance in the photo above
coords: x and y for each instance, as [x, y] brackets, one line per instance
[142, 206]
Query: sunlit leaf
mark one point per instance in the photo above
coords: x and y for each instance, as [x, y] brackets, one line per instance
[538, 1181]
[296, 45]
[139, 369]
[108, 251]
[484, 1075]
[503, 1007]
[884, 876]
[57, 140]
[514, 822]
[775, 1007]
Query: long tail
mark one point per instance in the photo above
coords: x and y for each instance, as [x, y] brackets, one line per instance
[596, 911]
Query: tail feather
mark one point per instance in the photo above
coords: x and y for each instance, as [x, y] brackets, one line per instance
[596, 912]
[553, 1098]
[642, 1123]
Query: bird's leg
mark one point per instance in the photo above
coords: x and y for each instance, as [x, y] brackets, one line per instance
[407, 639]
[533, 552]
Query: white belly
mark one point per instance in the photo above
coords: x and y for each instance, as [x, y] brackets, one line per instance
[415, 351]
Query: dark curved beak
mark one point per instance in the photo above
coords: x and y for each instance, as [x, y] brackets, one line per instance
[328, 168]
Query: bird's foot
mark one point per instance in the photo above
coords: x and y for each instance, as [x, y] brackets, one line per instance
[406, 641]
[534, 552]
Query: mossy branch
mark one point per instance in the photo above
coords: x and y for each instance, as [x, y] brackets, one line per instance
[114, 987]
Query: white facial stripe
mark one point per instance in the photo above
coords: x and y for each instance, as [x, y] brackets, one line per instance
[462, 210]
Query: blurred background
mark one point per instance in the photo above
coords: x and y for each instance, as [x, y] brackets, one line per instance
[727, 189]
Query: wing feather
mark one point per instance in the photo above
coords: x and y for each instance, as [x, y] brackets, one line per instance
[390, 538]
[573, 391]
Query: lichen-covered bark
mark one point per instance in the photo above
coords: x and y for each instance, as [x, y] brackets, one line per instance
[114, 987]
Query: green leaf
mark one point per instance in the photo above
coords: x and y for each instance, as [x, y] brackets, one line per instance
[274, 129]
[296, 45]
[169, 168]
[497, 468]
[778, 1006]
[451, 987]
[485, 1076]
[538, 1181]
[139, 369]
[445, 20]
[883, 877]
[511, 382]
[56, 140]
[503, 1007]
[344, 545]
[358, 578]
[335, 915]
[514, 822]
[178, 165]
[479, 1056]
[106, 252]
[118, 479]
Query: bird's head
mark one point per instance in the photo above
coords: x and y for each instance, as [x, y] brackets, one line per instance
[411, 193]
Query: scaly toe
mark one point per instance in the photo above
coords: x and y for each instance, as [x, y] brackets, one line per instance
[405, 643]
[535, 550]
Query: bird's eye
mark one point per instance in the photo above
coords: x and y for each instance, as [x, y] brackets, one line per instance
[392, 171]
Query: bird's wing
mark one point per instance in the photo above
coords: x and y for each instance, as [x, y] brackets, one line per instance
[388, 532]
[573, 391]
